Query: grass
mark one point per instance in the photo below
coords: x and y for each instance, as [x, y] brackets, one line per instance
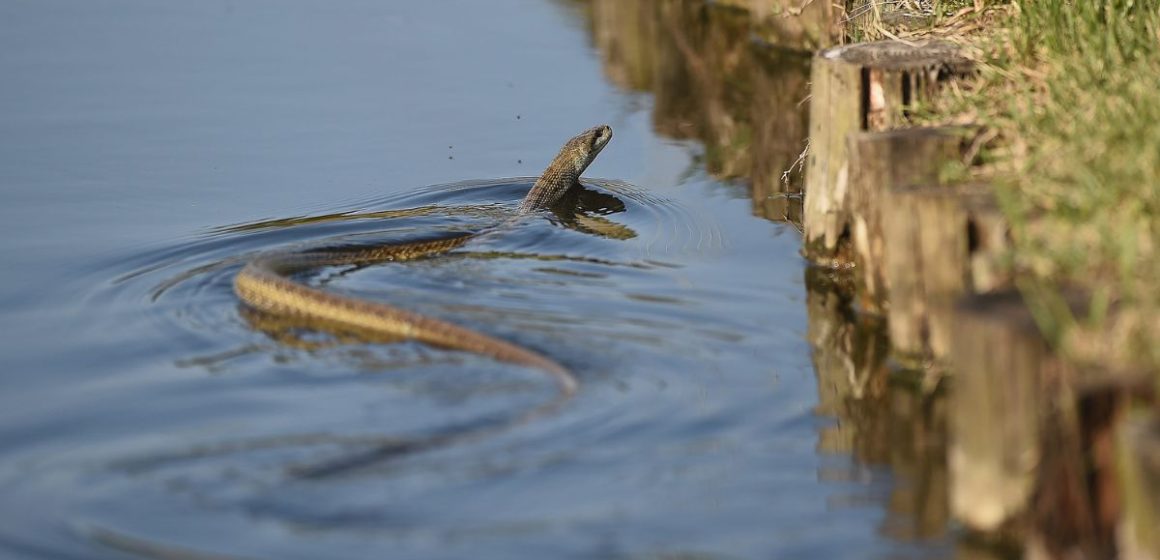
[1071, 93]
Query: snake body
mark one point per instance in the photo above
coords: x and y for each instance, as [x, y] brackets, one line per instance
[265, 282]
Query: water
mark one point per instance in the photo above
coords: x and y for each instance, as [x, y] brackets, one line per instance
[147, 148]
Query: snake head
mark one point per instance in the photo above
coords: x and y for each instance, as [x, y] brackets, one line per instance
[581, 149]
[564, 171]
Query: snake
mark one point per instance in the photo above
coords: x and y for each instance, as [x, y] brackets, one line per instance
[266, 283]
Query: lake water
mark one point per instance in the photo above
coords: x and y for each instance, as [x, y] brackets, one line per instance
[731, 405]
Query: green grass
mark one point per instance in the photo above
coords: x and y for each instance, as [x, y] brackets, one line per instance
[1073, 88]
[1069, 91]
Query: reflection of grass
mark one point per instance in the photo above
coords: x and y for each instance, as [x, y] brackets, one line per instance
[1072, 93]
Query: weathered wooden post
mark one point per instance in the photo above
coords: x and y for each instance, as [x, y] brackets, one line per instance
[858, 87]
[1002, 365]
[880, 162]
[1046, 450]
[933, 237]
[1033, 437]
[1138, 463]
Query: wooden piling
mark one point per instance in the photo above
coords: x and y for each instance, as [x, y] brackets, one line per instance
[932, 239]
[859, 87]
[879, 162]
[1032, 435]
[1044, 451]
[1002, 365]
[1075, 506]
[1138, 463]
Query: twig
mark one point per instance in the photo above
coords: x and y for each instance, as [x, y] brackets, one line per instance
[799, 163]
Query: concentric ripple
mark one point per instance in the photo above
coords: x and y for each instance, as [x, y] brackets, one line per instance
[239, 417]
[542, 281]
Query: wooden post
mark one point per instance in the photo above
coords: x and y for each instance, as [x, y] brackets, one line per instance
[1138, 463]
[864, 86]
[1030, 433]
[879, 162]
[988, 242]
[1002, 366]
[1074, 507]
[1038, 444]
[835, 111]
[932, 238]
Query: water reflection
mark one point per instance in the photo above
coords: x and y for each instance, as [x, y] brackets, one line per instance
[742, 98]
[883, 417]
[806, 24]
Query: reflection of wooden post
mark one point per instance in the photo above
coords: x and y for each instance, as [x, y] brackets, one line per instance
[864, 86]
[849, 354]
[917, 445]
[879, 162]
[881, 419]
[1138, 462]
[932, 242]
[779, 127]
[800, 23]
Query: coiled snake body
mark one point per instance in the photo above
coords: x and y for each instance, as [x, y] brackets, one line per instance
[264, 283]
